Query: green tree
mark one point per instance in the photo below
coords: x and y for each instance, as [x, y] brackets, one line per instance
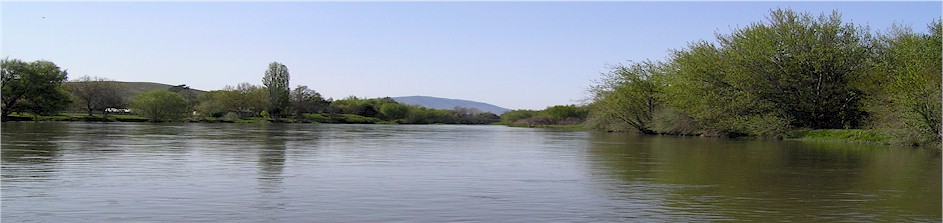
[255, 99]
[698, 86]
[97, 94]
[908, 77]
[562, 112]
[629, 95]
[512, 116]
[49, 103]
[794, 71]
[35, 86]
[245, 100]
[304, 100]
[189, 95]
[394, 111]
[801, 66]
[220, 102]
[276, 82]
[160, 106]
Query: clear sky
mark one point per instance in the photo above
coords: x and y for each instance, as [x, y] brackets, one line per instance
[518, 55]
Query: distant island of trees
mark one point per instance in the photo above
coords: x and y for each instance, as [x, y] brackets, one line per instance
[795, 73]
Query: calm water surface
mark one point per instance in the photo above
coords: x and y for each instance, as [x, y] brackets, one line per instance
[126, 172]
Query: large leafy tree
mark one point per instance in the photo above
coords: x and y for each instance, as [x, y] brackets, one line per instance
[305, 100]
[796, 70]
[801, 64]
[160, 106]
[35, 86]
[701, 88]
[629, 95]
[394, 111]
[97, 94]
[276, 82]
[907, 81]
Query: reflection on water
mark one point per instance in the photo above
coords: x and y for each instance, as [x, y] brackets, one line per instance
[130, 172]
[694, 178]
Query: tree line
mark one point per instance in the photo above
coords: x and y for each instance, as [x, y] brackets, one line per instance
[794, 71]
[41, 88]
[551, 116]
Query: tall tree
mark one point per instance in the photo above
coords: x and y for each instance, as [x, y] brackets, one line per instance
[97, 94]
[276, 82]
[35, 86]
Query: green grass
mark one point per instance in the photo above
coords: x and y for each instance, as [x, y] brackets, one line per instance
[319, 118]
[354, 119]
[847, 135]
[571, 127]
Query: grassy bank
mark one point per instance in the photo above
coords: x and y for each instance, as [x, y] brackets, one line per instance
[571, 127]
[844, 135]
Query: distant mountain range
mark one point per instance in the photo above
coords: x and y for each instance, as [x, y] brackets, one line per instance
[445, 103]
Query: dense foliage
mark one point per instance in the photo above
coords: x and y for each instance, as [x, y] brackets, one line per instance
[554, 115]
[32, 87]
[796, 71]
[160, 106]
[276, 82]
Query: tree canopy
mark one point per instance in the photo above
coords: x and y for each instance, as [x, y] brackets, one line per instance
[276, 82]
[160, 106]
[794, 71]
[34, 86]
[97, 94]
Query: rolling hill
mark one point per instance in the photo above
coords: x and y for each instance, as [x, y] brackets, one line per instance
[135, 88]
[445, 103]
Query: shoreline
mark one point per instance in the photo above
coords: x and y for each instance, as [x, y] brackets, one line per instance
[853, 136]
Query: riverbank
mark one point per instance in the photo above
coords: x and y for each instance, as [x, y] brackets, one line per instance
[308, 118]
[845, 135]
[866, 136]
[570, 127]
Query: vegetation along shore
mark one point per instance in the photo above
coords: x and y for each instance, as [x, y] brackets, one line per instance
[795, 75]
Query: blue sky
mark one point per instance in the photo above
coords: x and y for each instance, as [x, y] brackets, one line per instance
[518, 55]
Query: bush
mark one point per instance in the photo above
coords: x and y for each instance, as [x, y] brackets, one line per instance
[318, 118]
[160, 105]
[355, 119]
[673, 121]
[231, 117]
[535, 121]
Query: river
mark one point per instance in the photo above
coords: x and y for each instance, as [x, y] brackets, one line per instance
[140, 172]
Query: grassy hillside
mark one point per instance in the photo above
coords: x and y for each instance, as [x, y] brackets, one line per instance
[135, 88]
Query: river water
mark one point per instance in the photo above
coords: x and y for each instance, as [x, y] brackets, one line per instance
[138, 172]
